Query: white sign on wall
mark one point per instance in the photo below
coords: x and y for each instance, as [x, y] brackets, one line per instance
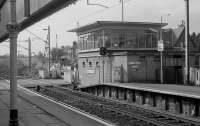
[90, 71]
[160, 45]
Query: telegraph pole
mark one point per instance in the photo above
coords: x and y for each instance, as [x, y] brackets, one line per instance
[161, 56]
[56, 48]
[49, 41]
[56, 41]
[187, 43]
[122, 1]
[161, 51]
[13, 29]
[29, 54]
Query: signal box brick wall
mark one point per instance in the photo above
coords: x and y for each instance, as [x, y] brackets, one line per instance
[88, 74]
[94, 69]
[119, 68]
[142, 68]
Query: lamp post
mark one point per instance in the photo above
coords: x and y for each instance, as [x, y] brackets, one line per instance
[186, 80]
[49, 47]
[29, 56]
[122, 1]
[13, 29]
[161, 51]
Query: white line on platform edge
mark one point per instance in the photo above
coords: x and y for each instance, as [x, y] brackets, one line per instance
[71, 108]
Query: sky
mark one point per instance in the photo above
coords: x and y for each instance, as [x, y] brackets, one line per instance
[134, 11]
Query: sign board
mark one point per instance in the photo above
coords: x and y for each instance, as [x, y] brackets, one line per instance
[90, 71]
[160, 45]
[28, 12]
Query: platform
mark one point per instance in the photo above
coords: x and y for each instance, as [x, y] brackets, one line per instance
[46, 82]
[29, 114]
[36, 110]
[178, 90]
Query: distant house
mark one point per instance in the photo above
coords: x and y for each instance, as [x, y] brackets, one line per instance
[69, 57]
[132, 52]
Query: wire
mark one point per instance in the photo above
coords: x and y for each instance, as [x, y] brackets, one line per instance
[96, 4]
[22, 46]
[102, 10]
[99, 11]
[17, 45]
[36, 36]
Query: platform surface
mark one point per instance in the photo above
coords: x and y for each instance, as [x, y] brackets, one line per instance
[36, 110]
[171, 89]
[33, 82]
[29, 114]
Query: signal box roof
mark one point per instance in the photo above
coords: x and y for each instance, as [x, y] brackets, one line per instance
[100, 24]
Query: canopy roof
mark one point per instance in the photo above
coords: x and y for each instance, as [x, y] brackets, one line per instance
[99, 24]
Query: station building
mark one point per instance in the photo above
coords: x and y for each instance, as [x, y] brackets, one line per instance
[132, 52]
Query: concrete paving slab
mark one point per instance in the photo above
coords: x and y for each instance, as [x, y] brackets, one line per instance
[29, 114]
[65, 113]
[35, 110]
[4, 115]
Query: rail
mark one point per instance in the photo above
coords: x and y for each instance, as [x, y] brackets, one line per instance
[122, 114]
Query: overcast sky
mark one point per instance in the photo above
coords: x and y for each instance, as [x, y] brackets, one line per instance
[134, 11]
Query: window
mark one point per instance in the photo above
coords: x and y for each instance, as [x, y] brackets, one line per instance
[141, 42]
[122, 40]
[83, 64]
[131, 40]
[97, 64]
[95, 40]
[81, 43]
[107, 40]
[100, 39]
[90, 64]
[196, 60]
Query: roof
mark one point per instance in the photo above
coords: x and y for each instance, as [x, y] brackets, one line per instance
[178, 31]
[99, 24]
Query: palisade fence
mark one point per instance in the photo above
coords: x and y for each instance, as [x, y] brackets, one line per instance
[171, 76]
[176, 76]
[195, 76]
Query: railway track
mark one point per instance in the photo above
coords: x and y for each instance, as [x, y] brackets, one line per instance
[115, 112]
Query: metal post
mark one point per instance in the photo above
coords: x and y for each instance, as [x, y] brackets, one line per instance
[187, 43]
[103, 68]
[99, 69]
[29, 54]
[161, 58]
[103, 62]
[122, 10]
[49, 42]
[56, 41]
[56, 48]
[13, 34]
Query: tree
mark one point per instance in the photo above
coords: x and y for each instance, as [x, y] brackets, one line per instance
[56, 54]
[198, 38]
[42, 58]
[193, 37]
